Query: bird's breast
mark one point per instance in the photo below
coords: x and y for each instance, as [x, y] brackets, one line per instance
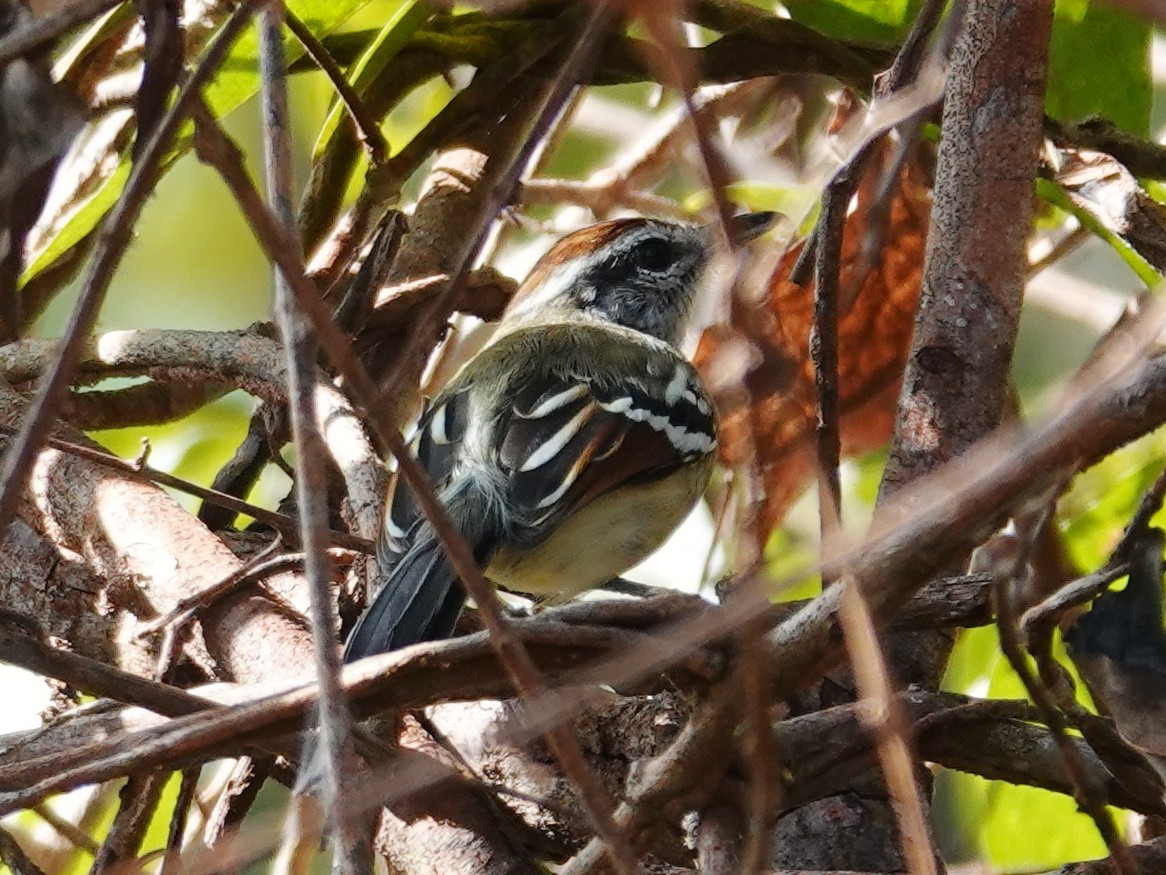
[605, 538]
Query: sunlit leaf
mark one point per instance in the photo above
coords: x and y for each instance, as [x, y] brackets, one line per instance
[1025, 828]
[786, 560]
[863, 20]
[239, 77]
[797, 203]
[1097, 509]
[1099, 65]
[86, 217]
[973, 662]
[1052, 193]
[409, 16]
[159, 828]
[236, 81]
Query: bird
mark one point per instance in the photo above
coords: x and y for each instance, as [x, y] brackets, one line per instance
[1119, 648]
[572, 445]
[1125, 627]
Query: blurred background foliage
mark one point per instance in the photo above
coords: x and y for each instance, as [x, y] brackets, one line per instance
[194, 264]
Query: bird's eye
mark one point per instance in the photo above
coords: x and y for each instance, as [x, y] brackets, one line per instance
[653, 254]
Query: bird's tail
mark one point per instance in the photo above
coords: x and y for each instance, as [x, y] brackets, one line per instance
[422, 598]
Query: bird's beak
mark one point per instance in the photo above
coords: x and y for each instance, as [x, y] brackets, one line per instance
[749, 226]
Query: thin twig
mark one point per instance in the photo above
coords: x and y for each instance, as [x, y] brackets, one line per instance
[138, 801]
[882, 712]
[115, 235]
[1064, 246]
[1150, 504]
[174, 639]
[311, 456]
[367, 128]
[674, 69]
[824, 351]
[1070, 595]
[259, 566]
[171, 858]
[95, 678]
[66, 829]
[827, 249]
[912, 53]
[14, 857]
[1084, 789]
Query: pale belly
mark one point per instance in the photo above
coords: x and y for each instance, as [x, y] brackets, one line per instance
[606, 538]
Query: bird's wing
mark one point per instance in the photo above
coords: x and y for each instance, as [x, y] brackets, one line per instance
[571, 437]
[571, 433]
[436, 444]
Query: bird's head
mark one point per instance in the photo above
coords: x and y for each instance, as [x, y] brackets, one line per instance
[639, 273]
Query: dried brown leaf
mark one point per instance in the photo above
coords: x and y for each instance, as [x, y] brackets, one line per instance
[778, 421]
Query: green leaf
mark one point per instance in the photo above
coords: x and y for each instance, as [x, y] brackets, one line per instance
[1029, 828]
[239, 77]
[881, 21]
[158, 830]
[788, 559]
[235, 82]
[1052, 193]
[1099, 65]
[973, 662]
[86, 215]
[1098, 507]
[1015, 827]
[797, 203]
[410, 15]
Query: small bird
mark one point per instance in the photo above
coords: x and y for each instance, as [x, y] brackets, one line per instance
[1119, 648]
[572, 445]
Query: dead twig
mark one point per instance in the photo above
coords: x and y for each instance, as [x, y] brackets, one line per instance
[1150, 504]
[263, 564]
[282, 523]
[32, 652]
[15, 857]
[882, 713]
[824, 345]
[1036, 620]
[310, 467]
[138, 800]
